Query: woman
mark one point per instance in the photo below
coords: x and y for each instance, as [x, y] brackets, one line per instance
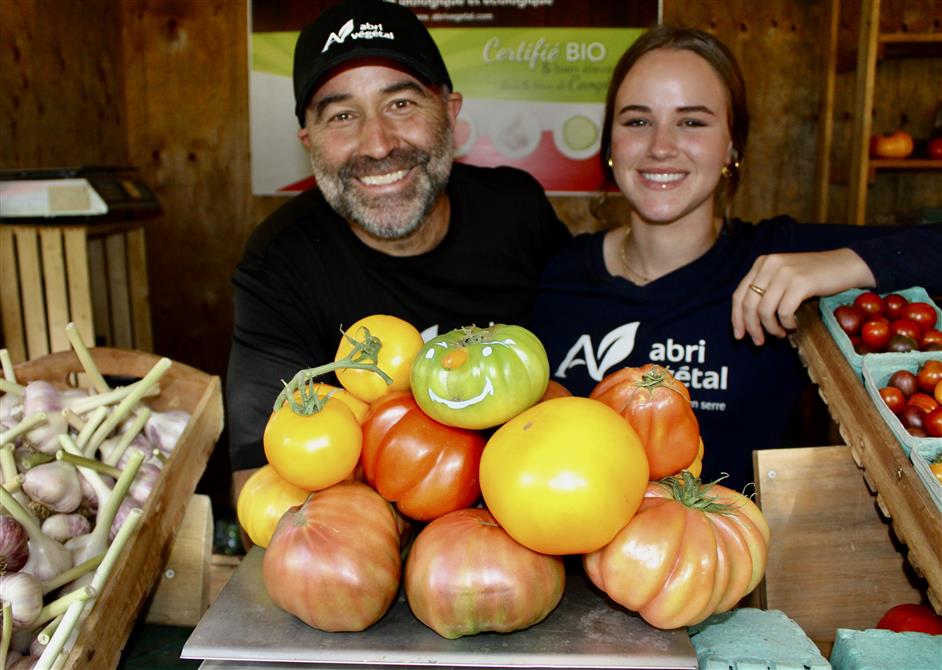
[662, 286]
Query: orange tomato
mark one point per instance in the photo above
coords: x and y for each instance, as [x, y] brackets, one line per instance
[265, 497]
[401, 341]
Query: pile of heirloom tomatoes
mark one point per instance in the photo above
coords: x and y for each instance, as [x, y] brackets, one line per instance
[456, 470]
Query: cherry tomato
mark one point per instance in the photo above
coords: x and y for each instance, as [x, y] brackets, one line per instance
[922, 313]
[849, 318]
[923, 401]
[929, 375]
[869, 302]
[931, 336]
[907, 328]
[911, 417]
[932, 422]
[937, 393]
[893, 398]
[905, 381]
[901, 343]
[911, 617]
[893, 305]
[875, 334]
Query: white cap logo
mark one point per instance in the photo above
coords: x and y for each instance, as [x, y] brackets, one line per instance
[340, 36]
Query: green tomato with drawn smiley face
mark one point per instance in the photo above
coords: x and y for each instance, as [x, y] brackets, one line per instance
[480, 377]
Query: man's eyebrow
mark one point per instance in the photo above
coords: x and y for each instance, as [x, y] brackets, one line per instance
[401, 86]
[684, 110]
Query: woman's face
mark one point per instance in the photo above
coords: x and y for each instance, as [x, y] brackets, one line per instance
[670, 136]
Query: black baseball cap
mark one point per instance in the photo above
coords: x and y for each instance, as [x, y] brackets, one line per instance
[358, 29]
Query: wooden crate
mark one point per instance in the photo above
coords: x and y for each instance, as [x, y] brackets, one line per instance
[181, 387]
[92, 275]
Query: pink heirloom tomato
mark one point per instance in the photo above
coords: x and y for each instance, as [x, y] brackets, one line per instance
[480, 377]
[564, 476]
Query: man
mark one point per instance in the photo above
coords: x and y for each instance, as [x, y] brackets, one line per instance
[393, 226]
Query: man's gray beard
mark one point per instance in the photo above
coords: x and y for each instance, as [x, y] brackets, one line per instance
[389, 217]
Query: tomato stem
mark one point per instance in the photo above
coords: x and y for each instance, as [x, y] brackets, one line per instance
[363, 356]
[691, 492]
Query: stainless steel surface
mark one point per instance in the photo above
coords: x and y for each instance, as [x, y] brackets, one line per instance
[243, 630]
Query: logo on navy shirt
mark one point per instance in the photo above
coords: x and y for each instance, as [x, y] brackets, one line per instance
[613, 349]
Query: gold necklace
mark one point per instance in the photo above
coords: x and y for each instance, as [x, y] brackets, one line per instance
[633, 276]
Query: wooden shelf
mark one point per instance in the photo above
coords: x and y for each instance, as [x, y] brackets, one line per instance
[888, 472]
[905, 164]
[909, 45]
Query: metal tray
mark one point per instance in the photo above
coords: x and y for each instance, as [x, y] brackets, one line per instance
[243, 629]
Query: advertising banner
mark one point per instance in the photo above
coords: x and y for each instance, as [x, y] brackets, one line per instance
[533, 74]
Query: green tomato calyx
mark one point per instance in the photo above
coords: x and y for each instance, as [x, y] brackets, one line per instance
[691, 492]
[363, 356]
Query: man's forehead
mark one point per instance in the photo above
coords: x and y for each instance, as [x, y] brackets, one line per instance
[347, 79]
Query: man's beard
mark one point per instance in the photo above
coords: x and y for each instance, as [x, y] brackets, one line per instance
[389, 216]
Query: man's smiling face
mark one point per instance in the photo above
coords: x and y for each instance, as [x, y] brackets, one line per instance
[381, 146]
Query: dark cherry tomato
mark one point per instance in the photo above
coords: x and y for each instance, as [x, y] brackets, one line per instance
[922, 313]
[849, 318]
[916, 432]
[875, 333]
[931, 336]
[932, 422]
[869, 302]
[905, 381]
[929, 375]
[893, 305]
[923, 401]
[901, 343]
[912, 416]
[893, 398]
[906, 327]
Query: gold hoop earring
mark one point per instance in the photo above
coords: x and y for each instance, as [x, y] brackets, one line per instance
[611, 163]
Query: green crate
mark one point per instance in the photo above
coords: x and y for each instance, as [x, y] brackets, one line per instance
[877, 370]
[828, 304]
[876, 649]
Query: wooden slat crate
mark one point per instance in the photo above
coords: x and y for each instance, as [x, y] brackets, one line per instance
[181, 387]
[92, 275]
[888, 472]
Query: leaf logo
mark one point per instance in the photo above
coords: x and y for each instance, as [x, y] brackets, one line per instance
[339, 36]
[613, 349]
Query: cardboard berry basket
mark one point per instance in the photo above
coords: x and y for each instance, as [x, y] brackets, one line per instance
[105, 631]
[829, 303]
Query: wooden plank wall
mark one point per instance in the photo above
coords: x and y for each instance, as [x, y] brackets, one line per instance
[162, 84]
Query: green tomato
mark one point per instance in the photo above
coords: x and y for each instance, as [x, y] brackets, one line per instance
[480, 377]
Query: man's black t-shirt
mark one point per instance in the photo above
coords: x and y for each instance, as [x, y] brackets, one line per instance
[305, 275]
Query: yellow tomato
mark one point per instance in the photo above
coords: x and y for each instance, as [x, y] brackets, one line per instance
[357, 406]
[936, 469]
[564, 476]
[262, 501]
[696, 467]
[400, 344]
[316, 451]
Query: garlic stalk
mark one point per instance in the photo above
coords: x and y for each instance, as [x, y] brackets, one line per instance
[132, 431]
[47, 558]
[61, 604]
[75, 422]
[91, 425]
[46, 633]
[12, 480]
[54, 484]
[86, 546]
[85, 358]
[86, 462]
[6, 631]
[11, 387]
[9, 374]
[67, 632]
[27, 424]
[73, 573]
[87, 403]
[125, 406]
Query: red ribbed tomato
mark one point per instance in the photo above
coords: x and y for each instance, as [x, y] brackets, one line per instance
[334, 562]
[466, 575]
[690, 551]
[658, 407]
[425, 467]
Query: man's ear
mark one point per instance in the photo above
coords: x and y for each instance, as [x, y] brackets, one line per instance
[305, 137]
[454, 106]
